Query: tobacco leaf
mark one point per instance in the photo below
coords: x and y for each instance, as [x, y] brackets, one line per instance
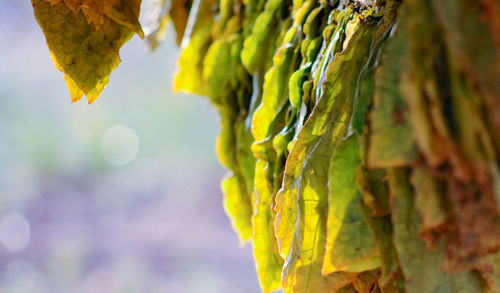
[85, 38]
[275, 86]
[430, 202]
[94, 10]
[478, 223]
[389, 121]
[197, 39]
[421, 266]
[426, 88]
[179, 13]
[261, 36]
[239, 211]
[472, 45]
[228, 86]
[391, 277]
[351, 245]
[170, 11]
[428, 91]
[216, 65]
[373, 186]
[233, 145]
[267, 258]
[489, 267]
[366, 281]
[301, 204]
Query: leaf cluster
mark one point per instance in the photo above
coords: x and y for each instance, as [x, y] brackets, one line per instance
[362, 137]
[347, 128]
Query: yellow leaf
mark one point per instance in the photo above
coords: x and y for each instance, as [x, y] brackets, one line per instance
[74, 90]
[197, 38]
[239, 212]
[85, 37]
[267, 259]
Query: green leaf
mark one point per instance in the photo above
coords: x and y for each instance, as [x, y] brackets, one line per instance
[350, 243]
[381, 228]
[332, 36]
[275, 86]
[216, 65]
[296, 82]
[374, 189]
[389, 121]
[263, 32]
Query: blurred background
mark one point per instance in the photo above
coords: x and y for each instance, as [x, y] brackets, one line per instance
[120, 196]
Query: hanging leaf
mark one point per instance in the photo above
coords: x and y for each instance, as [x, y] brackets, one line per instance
[389, 116]
[267, 259]
[85, 38]
[350, 243]
[299, 228]
[420, 265]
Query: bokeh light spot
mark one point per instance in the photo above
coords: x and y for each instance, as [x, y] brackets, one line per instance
[15, 232]
[119, 145]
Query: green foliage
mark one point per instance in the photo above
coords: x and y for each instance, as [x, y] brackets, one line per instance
[362, 137]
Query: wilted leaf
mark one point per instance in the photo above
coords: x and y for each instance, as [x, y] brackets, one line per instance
[366, 282]
[421, 266]
[85, 39]
[477, 226]
[179, 13]
[426, 95]
[473, 46]
[94, 10]
[489, 267]
[233, 148]
[430, 201]
[296, 82]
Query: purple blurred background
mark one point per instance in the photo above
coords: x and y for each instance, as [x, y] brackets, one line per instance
[120, 196]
